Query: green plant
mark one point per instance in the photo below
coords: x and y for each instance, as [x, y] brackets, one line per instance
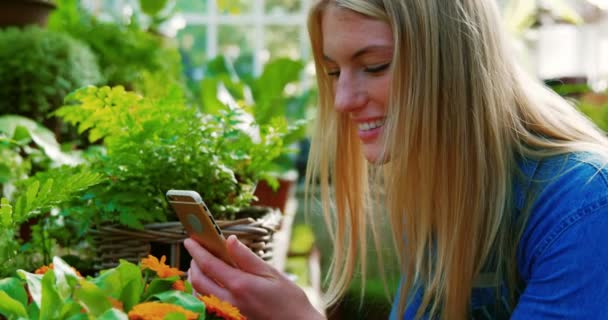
[595, 106]
[27, 147]
[150, 290]
[39, 67]
[265, 97]
[127, 53]
[34, 198]
[156, 144]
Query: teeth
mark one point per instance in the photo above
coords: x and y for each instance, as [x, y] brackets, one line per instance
[371, 125]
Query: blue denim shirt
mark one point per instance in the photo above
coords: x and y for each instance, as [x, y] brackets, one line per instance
[562, 257]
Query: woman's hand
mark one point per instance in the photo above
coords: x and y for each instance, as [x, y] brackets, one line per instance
[257, 289]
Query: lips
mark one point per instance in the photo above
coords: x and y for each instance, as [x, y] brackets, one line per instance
[370, 125]
[370, 130]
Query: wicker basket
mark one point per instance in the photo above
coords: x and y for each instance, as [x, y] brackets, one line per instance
[114, 242]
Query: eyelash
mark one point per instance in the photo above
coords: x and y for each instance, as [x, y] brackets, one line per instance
[374, 69]
[377, 69]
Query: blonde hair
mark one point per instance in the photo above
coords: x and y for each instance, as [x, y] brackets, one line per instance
[460, 114]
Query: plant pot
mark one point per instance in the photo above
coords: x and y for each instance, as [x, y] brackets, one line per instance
[114, 242]
[276, 199]
[20, 13]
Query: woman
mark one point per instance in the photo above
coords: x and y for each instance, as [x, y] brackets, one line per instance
[495, 187]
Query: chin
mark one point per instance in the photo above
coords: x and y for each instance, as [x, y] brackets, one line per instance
[375, 155]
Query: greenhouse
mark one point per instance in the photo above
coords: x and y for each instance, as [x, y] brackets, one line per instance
[303, 159]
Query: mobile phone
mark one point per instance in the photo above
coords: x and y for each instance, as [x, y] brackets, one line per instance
[198, 222]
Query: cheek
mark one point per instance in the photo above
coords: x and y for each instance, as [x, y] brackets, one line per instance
[382, 92]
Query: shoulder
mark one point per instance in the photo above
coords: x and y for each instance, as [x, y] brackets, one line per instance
[562, 254]
[564, 193]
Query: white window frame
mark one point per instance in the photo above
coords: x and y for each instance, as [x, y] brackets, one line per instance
[258, 19]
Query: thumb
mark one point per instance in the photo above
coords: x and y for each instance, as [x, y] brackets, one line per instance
[245, 258]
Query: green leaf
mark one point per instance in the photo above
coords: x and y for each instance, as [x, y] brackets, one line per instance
[58, 185]
[33, 312]
[14, 288]
[131, 293]
[50, 297]
[30, 194]
[152, 7]
[80, 316]
[24, 129]
[6, 213]
[113, 314]
[187, 301]
[71, 310]
[67, 278]
[10, 307]
[92, 298]
[124, 282]
[157, 286]
[22, 135]
[34, 285]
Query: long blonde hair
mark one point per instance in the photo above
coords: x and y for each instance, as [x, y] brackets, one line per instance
[460, 114]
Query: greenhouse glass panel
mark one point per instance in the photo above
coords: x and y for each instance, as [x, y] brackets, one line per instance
[280, 7]
[234, 7]
[192, 42]
[282, 41]
[235, 41]
[192, 6]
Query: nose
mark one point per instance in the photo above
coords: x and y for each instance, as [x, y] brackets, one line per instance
[349, 96]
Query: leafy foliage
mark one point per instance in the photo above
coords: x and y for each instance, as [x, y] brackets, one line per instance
[60, 292]
[264, 97]
[156, 144]
[27, 147]
[126, 52]
[39, 67]
[35, 197]
[51, 188]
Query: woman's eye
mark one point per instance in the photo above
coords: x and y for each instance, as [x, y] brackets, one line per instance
[377, 68]
[333, 73]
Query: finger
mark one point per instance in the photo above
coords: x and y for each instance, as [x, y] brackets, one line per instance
[205, 285]
[209, 264]
[189, 278]
[246, 259]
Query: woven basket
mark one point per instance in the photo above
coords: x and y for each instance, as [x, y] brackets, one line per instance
[115, 242]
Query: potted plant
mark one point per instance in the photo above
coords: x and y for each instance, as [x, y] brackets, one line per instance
[127, 53]
[151, 145]
[22, 13]
[39, 67]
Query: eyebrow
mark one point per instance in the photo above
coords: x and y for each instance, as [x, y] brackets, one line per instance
[360, 52]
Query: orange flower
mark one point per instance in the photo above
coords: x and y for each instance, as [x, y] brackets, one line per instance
[221, 308]
[158, 311]
[179, 285]
[161, 269]
[45, 269]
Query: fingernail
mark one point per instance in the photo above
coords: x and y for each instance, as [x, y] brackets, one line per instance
[188, 242]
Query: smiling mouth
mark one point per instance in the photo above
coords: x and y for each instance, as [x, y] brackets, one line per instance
[371, 125]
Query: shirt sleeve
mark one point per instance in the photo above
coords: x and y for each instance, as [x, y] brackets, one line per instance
[569, 275]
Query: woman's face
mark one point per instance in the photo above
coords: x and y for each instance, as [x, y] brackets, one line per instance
[358, 52]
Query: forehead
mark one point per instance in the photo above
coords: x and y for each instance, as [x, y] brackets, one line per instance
[344, 30]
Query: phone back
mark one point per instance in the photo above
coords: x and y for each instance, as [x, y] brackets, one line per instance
[198, 222]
